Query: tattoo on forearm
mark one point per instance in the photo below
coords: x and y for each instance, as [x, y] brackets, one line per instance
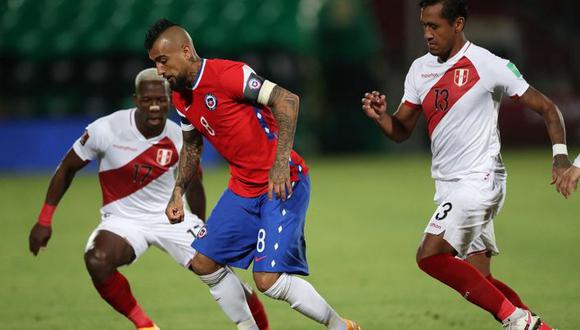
[285, 109]
[188, 162]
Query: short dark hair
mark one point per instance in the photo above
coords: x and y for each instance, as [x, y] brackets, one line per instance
[155, 31]
[452, 9]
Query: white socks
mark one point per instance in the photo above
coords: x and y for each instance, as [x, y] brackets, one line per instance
[303, 297]
[227, 290]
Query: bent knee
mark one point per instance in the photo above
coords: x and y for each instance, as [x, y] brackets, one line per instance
[264, 281]
[99, 264]
[202, 265]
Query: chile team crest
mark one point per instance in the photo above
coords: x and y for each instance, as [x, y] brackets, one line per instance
[254, 83]
[211, 101]
[164, 156]
[461, 77]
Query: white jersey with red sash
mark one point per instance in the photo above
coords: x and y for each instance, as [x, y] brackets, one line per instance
[136, 174]
[460, 99]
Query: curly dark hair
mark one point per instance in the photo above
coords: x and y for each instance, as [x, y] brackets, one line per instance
[155, 31]
[452, 9]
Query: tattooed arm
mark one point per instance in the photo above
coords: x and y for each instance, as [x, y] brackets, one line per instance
[188, 165]
[284, 106]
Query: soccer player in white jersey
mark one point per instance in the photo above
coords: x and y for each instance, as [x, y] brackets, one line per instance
[458, 87]
[137, 150]
[568, 182]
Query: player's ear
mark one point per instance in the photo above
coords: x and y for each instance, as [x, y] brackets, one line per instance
[186, 52]
[459, 24]
[135, 100]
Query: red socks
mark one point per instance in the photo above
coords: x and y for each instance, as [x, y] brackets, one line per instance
[469, 282]
[258, 312]
[510, 294]
[117, 292]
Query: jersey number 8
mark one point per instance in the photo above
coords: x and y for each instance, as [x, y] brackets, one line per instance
[206, 125]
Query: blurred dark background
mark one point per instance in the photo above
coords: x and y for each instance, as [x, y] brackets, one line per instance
[64, 63]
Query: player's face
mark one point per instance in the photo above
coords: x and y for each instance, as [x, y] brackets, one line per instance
[152, 101]
[438, 32]
[171, 62]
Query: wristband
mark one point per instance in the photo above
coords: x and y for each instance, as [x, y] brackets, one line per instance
[559, 149]
[45, 216]
[577, 161]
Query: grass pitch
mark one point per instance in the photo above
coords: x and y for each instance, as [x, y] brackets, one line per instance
[365, 219]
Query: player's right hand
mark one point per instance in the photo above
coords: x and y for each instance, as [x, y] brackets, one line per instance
[38, 238]
[567, 183]
[374, 105]
[174, 210]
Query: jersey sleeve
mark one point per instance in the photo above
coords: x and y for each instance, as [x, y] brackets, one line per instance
[184, 122]
[179, 105]
[503, 74]
[241, 82]
[411, 95]
[93, 142]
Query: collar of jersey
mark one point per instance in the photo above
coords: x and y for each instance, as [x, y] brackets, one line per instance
[138, 133]
[199, 74]
[457, 56]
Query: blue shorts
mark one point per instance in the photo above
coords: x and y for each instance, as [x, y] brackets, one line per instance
[268, 232]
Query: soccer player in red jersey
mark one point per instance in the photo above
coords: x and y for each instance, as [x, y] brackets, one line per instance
[458, 87]
[137, 153]
[260, 217]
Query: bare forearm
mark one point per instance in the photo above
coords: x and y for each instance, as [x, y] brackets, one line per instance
[285, 110]
[555, 125]
[195, 198]
[392, 128]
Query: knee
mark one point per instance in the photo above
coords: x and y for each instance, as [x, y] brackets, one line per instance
[264, 281]
[98, 264]
[202, 265]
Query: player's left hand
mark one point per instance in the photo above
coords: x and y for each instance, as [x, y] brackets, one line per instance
[38, 238]
[279, 184]
[567, 183]
[559, 166]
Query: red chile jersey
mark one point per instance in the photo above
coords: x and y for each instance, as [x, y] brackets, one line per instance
[222, 106]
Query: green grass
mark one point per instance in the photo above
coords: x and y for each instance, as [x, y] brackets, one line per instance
[365, 220]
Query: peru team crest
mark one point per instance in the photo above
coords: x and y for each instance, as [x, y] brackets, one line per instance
[211, 101]
[164, 156]
[461, 77]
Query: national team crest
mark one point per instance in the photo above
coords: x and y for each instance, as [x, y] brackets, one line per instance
[211, 101]
[461, 77]
[164, 156]
[254, 83]
[202, 232]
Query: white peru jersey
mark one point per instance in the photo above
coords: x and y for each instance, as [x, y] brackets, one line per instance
[460, 100]
[136, 174]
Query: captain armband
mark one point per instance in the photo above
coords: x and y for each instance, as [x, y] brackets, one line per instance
[265, 91]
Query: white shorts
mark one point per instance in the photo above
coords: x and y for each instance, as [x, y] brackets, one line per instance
[466, 211]
[140, 234]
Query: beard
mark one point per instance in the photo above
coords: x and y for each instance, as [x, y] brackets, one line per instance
[178, 83]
